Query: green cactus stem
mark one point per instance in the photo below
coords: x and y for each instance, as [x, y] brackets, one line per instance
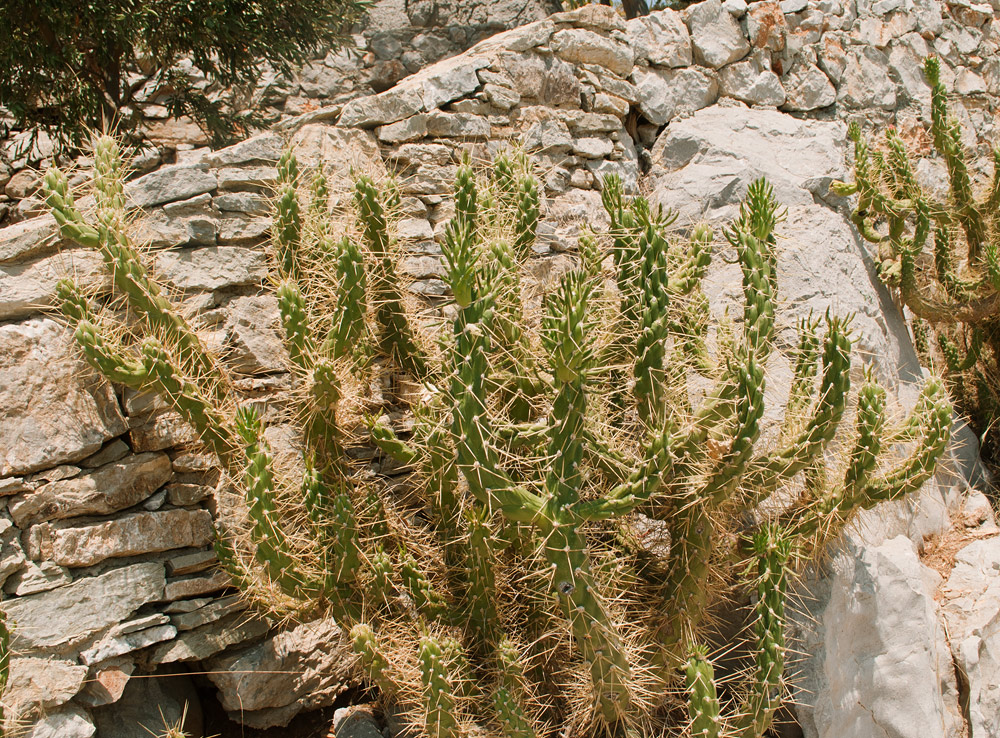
[439, 696]
[377, 668]
[772, 548]
[703, 702]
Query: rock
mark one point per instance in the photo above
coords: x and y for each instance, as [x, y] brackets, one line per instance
[356, 722]
[42, 683]
[238, 230]
[807, 88]
[128, 535]
[69, 721]
[458, 125]
[971, 603]
[387, 107]
[55, 407]
[592, 148]
[264, 147]
[305, 667]
[28, 239]
[185, 495]
[548, 136]
[254, 343]
[116, 450]
[247, 179]
[169, 184]
[22, 184]
[547, 81]
[76, 612]
[193, 586]
[449, 79]
[409, 129]
[163, 430]
[107, 682]
[338, 151]
[666, 93]
[151, 707]
[865, 83]
[661, 38]
[26, 289]
[191, 563]
[211, 268]
[749, 82]
[174, 132]
[715, 36]
[878, 662]
[110, 488]
[37, 577]
[579, 46]
[118, 645]
[598, 17]
[249, 203]
[969, 83]
[12, 556]
[766, 26]
[211, 612]
[195, 645]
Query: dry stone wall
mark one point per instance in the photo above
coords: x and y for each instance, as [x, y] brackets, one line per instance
[106, 506]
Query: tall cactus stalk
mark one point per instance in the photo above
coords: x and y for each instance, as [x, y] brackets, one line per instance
[541, 448]
[942, 256]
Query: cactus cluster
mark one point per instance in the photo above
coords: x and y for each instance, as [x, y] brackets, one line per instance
[574, 515]
[942, 255]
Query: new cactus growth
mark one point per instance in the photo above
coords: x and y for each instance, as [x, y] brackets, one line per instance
[568, 521]
[942, 256]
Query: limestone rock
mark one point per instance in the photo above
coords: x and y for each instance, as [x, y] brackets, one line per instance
[55, 408]
[879, 663]
[971, 603]
[195, 645]
[750, 82]
[661, 38]
[410, 129]
[715, 36]
[169, 184]
[807, 88]
[579, 46]
[356, 722]
[666, 93]
[546, 80]
[42, 683]
[766, 25]
[30, 288]
[865, 84]
[73, 613]
[37, 577]
[107, 682]
[110, 488]
[457, 125]
[120, 644]
[254, 343]
[337, 151]
[449, 79]
[69, 721]
[305, 667]
[598, 17]
[264, 147]
[211, 268]
[28, 239]
[129, 535]
[387, 107]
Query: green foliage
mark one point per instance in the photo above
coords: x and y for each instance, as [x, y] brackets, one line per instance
[67, 67]
[942, 256]
[520, 580]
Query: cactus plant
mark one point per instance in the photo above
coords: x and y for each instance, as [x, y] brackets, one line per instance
[941, 256]
[571, 517]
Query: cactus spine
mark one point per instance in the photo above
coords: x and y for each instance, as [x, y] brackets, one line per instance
[538, 449]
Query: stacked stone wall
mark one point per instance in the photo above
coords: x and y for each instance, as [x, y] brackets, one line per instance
[106, 505]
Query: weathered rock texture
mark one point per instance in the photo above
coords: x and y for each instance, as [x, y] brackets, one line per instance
[105, 507]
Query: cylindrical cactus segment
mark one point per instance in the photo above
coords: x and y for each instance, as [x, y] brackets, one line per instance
[439, 695]
[823, 423]
[466, 201]
[373, 660]
[772, 549]
[108, 174]
[525, 215]
[63, 208]
[273, 549]
[108, 360]
[460, 255]
[698, 258]
[397, 340]
[295, 320]
[187, 398]
[703, 701]
[480, 568]
[428, 601]
[351, 308]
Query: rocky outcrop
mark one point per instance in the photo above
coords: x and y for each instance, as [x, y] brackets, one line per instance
[105, 505]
